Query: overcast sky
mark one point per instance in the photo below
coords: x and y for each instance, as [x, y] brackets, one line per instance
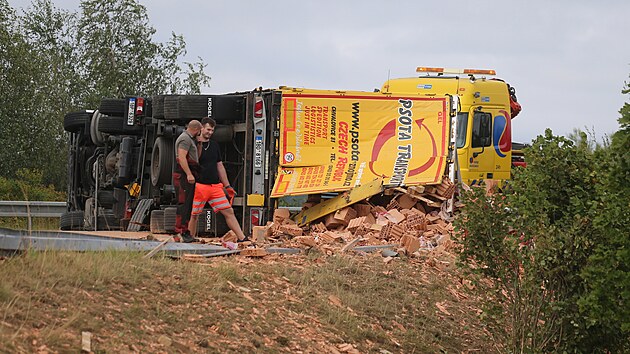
[568, 60]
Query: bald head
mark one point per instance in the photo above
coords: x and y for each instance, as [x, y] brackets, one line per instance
[194, 127]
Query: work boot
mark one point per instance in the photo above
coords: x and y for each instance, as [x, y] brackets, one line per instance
[187, 237]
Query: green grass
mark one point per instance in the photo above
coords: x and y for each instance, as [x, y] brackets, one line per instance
[36, 223]
[230, 304]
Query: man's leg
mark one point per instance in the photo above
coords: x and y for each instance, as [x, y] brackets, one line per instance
[192, 224]
[180, 197]
[187, 206]
[232, 223]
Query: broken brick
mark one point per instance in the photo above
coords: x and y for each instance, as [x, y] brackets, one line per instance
[279, 215]
[362, 209]
[345, 215]
[290, 229]
[361, 230]
[320, 227]
[395, 216]
[306, 240]
[379, 210]
[259, 233]
[415, 222]
[230, 236]
[410, 243]
[393, 204]
[392, 231]
[330, 237]
[254, 252]
[355, 223]
[405, 201]
[331, 222]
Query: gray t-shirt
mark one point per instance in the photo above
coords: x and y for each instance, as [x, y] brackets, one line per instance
[188, 143]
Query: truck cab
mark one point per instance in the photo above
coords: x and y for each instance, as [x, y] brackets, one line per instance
[482, 129]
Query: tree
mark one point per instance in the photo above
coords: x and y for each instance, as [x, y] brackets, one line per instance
[120, 57]
[56, 61]
[31, 138]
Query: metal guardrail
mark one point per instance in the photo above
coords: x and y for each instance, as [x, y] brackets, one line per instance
[35, 209]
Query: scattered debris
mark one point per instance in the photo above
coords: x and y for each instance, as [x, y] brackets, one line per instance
[86, 342]
[407, 220]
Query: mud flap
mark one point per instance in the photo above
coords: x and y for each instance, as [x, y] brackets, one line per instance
[141, 212]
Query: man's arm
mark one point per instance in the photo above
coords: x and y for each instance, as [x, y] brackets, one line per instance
[226, 183]
[222, 174]
[183, 162]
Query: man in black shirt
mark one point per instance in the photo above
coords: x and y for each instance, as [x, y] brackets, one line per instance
[211, 183]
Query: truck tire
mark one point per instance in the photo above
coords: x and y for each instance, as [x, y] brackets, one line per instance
[162, 161]
[72, 220]
[111, 125]
[158, 106]
[113, 106]
[171, 107]
[194, 107]
[170, 218]
[75, 121]
[187, 107]
[106, 198]
[98, 138]
[157, 222]
[107, 221]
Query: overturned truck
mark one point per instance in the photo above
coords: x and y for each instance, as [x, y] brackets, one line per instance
[288, 141]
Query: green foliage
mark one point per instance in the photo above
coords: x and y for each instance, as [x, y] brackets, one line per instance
[28, 185]
[556, 248]
[607, 273]
[54, 61]
[119, 57]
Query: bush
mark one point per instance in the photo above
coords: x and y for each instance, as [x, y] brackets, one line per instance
[28, 185]
[546, 248]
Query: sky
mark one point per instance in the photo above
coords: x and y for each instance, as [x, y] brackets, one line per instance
[567, 59]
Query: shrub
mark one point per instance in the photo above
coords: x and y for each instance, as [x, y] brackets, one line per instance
[28, 185]
[545, 247]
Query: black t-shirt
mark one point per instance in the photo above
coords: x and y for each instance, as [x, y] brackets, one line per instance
[210, 155]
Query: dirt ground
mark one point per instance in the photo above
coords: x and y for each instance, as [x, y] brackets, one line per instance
[308, 303]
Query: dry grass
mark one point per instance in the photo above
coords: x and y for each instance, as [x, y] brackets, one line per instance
[279, 304]
[36, 223]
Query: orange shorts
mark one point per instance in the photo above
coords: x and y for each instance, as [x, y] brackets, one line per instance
[212, 194]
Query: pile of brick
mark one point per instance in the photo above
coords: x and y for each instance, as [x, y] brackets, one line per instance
[410, 218]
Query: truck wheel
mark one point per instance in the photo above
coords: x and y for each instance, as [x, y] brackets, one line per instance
[72, 220]
[171, 107]
[158, 107]
[193, 106]
[107, 221]
[170, 218]
[98, 138]
[113, 106]
[75, 121]
[162, 161]
[157, 222]
[111, 125]
[106, 198]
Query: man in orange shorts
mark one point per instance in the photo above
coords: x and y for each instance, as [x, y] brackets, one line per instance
[211, 183]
